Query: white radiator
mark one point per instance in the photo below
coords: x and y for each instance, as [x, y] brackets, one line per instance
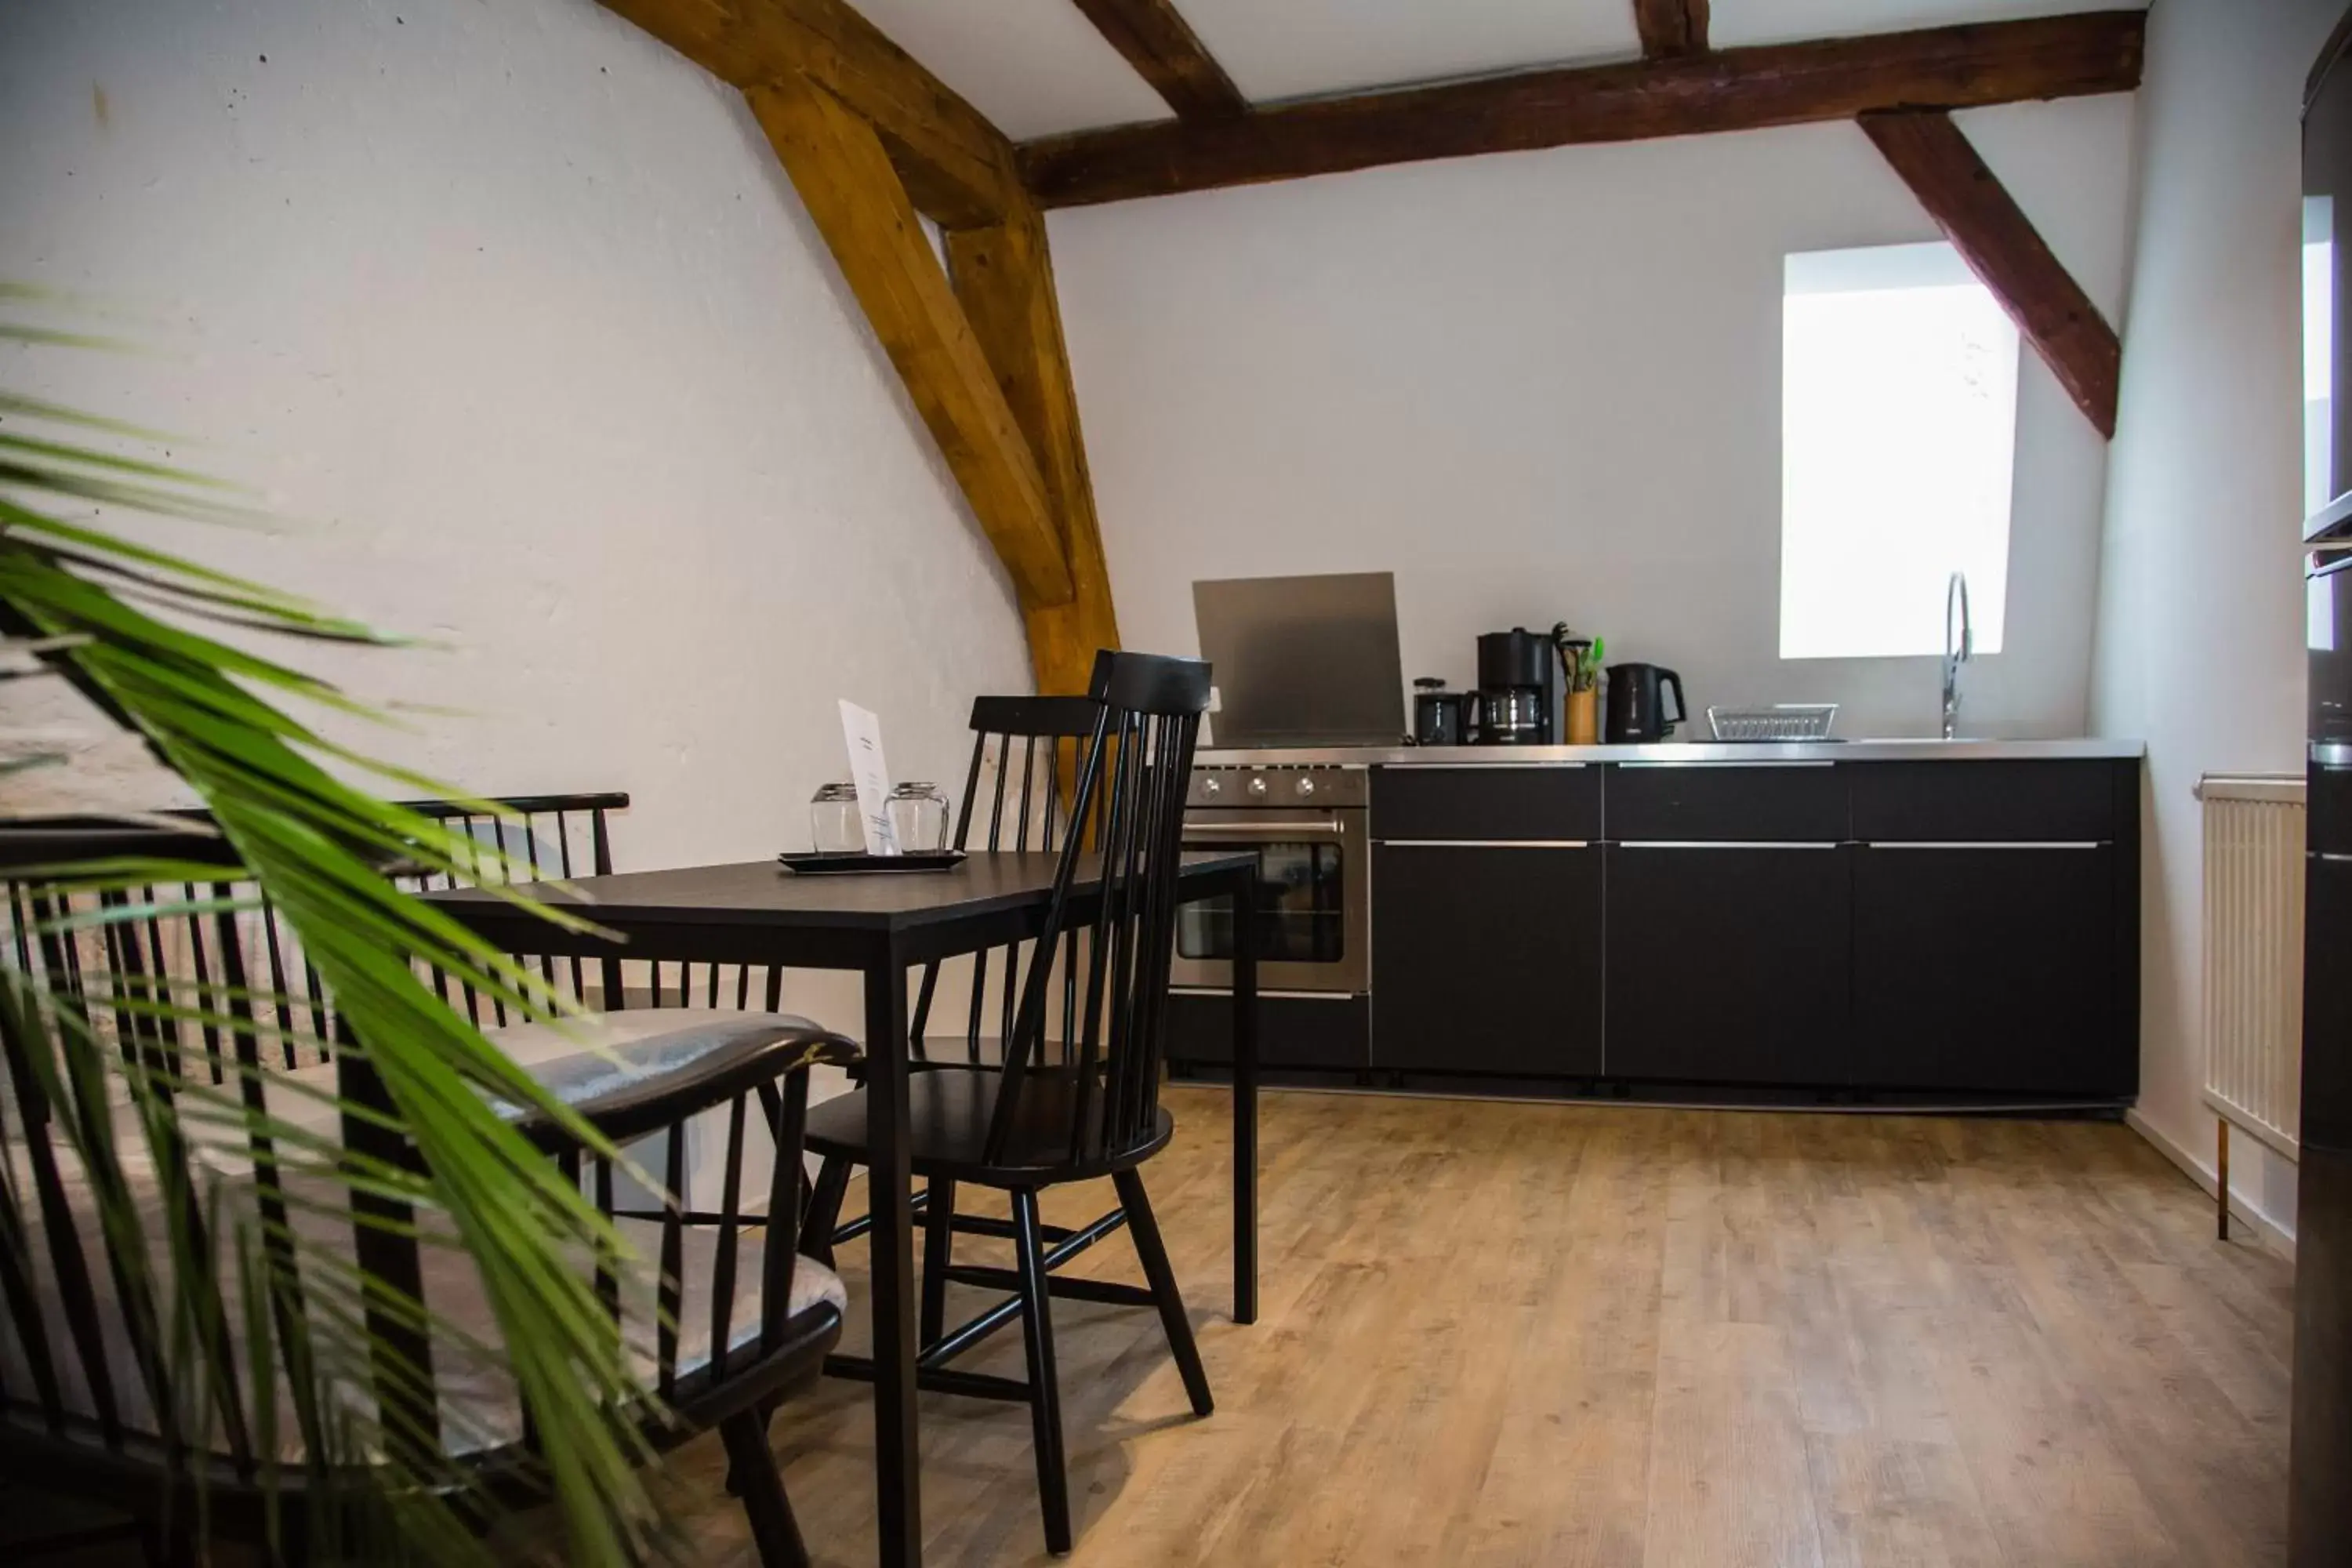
[2253, 955]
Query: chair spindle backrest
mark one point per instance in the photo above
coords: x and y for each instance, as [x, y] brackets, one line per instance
[1017, 797]
[564, 836]
[1131, 785]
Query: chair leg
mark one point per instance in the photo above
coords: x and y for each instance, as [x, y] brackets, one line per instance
[1145, 1229]
[939, 1246]
[1044, 1387]
[776, 1534]
[2222, 1182]
[825, 1211]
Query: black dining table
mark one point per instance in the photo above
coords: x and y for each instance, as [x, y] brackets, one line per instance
[881, 925]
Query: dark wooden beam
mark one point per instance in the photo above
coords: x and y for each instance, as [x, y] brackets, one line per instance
[845, 178]
[1988, 229]
[1670, 27]
[1726, 90]
[1004, 275]
[957, 167]
[1164, 50]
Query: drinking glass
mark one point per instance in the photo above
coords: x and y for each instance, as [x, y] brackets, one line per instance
[918, 816]
[835, 825]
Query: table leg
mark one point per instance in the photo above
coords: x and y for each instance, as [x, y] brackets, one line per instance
[890, 1197]
[1246, 1105]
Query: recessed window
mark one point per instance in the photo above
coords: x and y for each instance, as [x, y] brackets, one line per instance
[1898, 409]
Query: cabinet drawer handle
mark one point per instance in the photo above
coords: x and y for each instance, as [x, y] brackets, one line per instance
[1225, 993]
[1484, 843]
[1722, 844]
[1990, 844]
[1760, 762]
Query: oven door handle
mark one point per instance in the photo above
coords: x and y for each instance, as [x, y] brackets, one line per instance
[1333, 828]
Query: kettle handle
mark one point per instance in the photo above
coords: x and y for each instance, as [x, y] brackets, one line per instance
[1682, 706]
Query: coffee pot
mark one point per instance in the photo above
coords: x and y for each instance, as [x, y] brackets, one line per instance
[1440, 718]
[1518, 689]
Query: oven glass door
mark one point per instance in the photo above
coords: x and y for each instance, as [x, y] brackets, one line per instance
[1312, 930]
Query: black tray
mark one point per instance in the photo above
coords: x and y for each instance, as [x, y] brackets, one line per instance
[810, 864]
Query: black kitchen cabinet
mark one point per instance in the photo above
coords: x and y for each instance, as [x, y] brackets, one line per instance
[1990, 969]
[1980, 802]
[1778, 803]
[1487, 959]
[1728, 963]
[1545, 802]
[2326, 997]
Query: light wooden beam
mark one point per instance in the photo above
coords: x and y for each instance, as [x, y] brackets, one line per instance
[1671, 27]
[1726, 90]
[1165, 52]
[956, 166]
[1989, 229]
[1004, 277]
[845, 177]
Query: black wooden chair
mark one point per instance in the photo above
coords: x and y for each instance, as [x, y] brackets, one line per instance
[91, 1400]
[1027, 1122]
[1026, 754]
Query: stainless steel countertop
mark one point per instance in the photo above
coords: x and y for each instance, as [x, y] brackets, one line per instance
[1685, 752]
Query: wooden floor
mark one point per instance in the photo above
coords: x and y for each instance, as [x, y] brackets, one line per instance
[1559, 1335]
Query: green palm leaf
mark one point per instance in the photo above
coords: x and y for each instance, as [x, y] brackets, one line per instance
[91, 606]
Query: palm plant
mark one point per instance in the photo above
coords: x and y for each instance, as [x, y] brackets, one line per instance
[161, 646]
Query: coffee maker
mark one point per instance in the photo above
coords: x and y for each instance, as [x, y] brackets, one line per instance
[1518, 689]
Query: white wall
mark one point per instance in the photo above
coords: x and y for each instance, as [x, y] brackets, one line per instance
[1546, 386]
[515, 308]
[2199, 647]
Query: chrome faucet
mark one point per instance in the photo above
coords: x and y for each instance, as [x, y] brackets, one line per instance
[1956, 653]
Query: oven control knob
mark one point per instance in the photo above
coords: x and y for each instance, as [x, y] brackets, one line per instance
[1212, 787]
[1258, 787]
[1306, 786]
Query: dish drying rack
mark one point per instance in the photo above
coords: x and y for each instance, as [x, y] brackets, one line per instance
[1781, 721]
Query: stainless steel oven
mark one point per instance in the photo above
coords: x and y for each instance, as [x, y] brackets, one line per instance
[1308, 826]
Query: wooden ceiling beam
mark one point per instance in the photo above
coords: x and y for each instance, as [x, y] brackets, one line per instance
[1999, 243]
[1165, 52]
[1670, 27]
[845, 177]
[1695, 94]
[957, 167]
[1004, 277]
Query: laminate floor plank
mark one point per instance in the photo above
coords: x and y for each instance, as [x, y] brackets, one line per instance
[1500, 1335]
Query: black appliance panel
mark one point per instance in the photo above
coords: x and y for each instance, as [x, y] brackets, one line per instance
[2319, 1504]
[2327, 642]
[2327, 999]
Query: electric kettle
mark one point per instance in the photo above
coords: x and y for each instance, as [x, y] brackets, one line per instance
[1635, 710]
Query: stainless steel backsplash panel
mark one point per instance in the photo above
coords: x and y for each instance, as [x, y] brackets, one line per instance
[1303, 661]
